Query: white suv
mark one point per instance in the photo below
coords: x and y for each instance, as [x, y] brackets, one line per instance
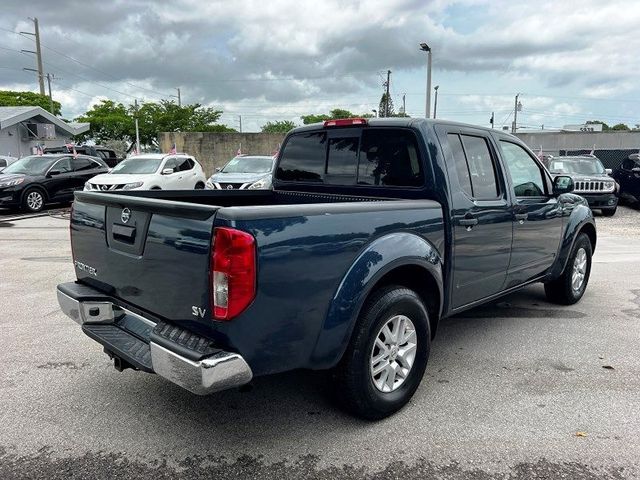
[153, 171]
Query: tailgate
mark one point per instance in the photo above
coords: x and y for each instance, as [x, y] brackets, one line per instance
[153, 254]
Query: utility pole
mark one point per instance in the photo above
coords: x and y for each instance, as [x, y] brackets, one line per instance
[179, 99]
[386, 103]
[404, 104]
[38, 53]
[492, 119]
[426, 48]
[516, 107]
[240, 118]
[135, 103]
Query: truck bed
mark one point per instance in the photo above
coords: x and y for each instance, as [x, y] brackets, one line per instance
[306, 244]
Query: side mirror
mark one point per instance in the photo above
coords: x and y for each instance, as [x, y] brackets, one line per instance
[562, 184]
[167, 171]
[53, 172]
[608, 171]
[218, 169]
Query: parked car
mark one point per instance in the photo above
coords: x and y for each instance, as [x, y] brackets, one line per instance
[5, 161]
[109, 155]
[251, 172]
[375, 230]
[152, 171]
[591, 181]
[628, 176]
[33, 181]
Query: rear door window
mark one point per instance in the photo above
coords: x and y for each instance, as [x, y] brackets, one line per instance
[183, 164]
[481, 167]
[460, 162]
[80, 164]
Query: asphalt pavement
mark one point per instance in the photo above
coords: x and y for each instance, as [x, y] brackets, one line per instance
[517, 389]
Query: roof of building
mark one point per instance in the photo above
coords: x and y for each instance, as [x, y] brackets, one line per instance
[12, 115]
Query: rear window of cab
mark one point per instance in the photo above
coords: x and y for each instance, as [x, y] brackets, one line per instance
[362, 156]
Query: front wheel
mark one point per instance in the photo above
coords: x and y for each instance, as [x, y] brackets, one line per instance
[387, 355]
[33, 200]
[569, 287]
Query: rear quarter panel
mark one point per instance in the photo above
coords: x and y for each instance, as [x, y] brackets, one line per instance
[303, 260]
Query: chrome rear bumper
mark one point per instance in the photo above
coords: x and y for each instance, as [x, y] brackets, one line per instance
[212, 374]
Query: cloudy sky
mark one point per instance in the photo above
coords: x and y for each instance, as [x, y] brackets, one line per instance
[571, 60]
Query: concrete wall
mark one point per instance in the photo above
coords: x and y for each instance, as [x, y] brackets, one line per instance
[553, 142]
[213, 149]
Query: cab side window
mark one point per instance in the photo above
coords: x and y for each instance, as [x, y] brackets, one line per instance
[628, 164]
[528, 180]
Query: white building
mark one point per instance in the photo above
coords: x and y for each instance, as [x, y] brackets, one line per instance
[22, 129]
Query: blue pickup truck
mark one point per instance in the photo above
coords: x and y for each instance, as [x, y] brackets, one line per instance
[375, 231]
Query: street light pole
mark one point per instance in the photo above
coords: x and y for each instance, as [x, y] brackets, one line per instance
[516, 107]
[435, 103]
[425, 48]
[179, 99]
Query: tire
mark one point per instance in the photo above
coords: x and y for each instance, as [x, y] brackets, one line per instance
[199, 186]
[561, 290]
[609, 212]
[356, 387]
[155, 188]
[33, 200]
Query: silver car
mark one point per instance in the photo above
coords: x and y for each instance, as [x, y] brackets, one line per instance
[244, 172]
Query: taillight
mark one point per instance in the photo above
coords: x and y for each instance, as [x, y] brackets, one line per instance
[233, 272]
[344, 122]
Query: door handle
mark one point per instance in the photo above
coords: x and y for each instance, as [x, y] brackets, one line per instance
[469, 223]
[521, 217]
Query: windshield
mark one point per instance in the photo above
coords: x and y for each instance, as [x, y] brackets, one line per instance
[579, 166]
[139, 165]
[34, 165]
[249, 165]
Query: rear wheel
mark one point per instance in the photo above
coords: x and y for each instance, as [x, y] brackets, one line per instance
[570, 286]
[33, 200]
[387, 355]
[199, 186]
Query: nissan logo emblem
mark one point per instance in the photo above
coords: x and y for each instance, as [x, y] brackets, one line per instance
[125, 215]
[229, 187]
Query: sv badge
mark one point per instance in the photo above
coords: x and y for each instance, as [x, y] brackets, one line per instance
[198, 312]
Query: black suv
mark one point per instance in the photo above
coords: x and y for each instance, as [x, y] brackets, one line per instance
[628, 176]
[38, 179]
[107, 154]
[591, 180]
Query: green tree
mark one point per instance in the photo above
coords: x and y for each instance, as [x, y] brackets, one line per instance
[620, 126]
[167, 116]
[109, 121]
[386, 106]
[10, 98]
[115, 121]
[281, 126]
[333, 114]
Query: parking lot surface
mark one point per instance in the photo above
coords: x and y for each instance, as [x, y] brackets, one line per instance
[517, 389]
